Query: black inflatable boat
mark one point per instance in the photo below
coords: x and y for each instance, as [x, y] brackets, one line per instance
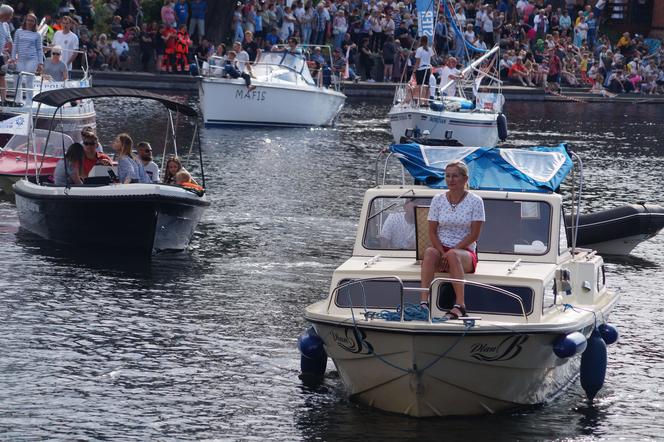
[617, 231]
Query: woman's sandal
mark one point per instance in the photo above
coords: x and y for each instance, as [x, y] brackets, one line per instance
[451, 315]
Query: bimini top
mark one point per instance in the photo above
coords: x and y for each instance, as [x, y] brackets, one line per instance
[58, 97]
[535, 169]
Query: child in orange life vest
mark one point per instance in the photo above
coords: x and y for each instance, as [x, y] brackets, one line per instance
[182, 49]
[170, 38]
[184, 179]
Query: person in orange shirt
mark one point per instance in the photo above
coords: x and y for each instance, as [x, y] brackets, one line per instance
[170, 38]
[184, 179]
[182, 45]
[91, 156]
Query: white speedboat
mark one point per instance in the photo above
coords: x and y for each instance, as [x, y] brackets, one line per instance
[162, 217]
[71, 117]
[456, 120]
[286, 94]
[537, 305]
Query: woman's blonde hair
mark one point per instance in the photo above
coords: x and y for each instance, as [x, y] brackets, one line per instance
[167, 175]
[127, 144]
[463, 169]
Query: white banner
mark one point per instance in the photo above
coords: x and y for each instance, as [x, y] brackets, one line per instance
[15, 125]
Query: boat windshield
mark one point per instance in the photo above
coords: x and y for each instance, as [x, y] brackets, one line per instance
[273, 67]
[18, 143]
[511, 227]
[283, 67]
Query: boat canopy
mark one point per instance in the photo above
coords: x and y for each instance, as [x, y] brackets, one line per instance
[535, 169]
[59, 97]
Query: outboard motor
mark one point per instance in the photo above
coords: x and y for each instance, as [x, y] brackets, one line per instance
[313, 360]
[501, 122]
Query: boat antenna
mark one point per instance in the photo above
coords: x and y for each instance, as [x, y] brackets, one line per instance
[175, 144]
[200, 153]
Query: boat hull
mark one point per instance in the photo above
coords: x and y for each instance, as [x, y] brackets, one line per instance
[229, 102]
[436, 374]
[146, 220]
[476, 129]
[619, 230]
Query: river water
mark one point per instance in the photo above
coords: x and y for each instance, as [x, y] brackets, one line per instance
[203, 344]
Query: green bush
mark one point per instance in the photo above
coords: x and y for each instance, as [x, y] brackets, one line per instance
[152, 10]
[103, 18]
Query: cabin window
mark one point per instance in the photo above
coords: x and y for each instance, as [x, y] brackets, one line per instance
[391, 224]
[511, 227]
[485, 300]
[515, 227]
[375, 294]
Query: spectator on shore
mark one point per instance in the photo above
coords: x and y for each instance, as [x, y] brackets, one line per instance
[181, 10]
[120, 58]
[168, 14]
[147, 45]
[197, 22]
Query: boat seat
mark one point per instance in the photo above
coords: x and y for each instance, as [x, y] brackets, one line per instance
[422, 240]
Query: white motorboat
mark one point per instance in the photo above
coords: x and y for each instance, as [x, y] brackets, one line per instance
[286, 94]
[455, 119]
[71, 117]
[163, 217]
[538, 307]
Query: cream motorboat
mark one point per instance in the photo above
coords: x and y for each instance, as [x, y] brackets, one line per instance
[537, 307]
[286, 94]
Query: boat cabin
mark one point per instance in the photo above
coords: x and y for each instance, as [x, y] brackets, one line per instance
[526, 269]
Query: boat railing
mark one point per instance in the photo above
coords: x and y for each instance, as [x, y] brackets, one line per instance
[491, 288]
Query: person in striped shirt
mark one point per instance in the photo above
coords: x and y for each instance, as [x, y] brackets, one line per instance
[6, 14]
[27, 52]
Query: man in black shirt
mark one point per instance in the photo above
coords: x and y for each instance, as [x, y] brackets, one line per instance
[250, 46]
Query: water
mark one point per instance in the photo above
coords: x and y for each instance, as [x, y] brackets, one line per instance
[203, 344]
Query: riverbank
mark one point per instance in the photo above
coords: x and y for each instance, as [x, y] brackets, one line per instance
[187, 83]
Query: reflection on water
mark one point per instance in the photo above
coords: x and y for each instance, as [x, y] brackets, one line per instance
[203, 344]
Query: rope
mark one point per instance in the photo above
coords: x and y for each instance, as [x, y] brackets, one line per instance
[567, 97]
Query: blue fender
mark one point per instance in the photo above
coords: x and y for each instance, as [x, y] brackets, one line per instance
[609, 333]
[593, 365]
[313, 360]
[569, 345]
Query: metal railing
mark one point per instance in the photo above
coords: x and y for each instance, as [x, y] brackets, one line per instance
[430, 298]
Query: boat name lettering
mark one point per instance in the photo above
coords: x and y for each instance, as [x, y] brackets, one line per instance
[507, 349]
[438, 120]
[353, 341]
[245, 94]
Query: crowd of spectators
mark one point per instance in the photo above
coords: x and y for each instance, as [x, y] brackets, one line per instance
[544, 43]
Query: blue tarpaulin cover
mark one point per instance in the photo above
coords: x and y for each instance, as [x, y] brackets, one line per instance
[535, 169]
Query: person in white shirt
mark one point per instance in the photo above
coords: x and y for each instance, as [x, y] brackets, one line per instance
[6, 14]
[422, 70]
[120, 51]
[67, 40]
[455, 223]
[145, 156]
[448, 73]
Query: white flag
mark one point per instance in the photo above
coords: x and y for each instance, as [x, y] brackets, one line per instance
[15, 125]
